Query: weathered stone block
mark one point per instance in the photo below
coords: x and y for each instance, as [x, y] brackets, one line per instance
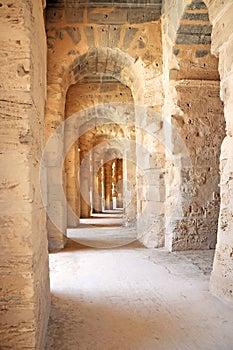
[54, 15]
[130, 33]
[195, 29]
[74, 34]
[114, 35]
[196, 5]
[89, 32]
[193, 39]
[222, 30]
[196, 17]
[142, 16]
[107, 15]
[74, 15]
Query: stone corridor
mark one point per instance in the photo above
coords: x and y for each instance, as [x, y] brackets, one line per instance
[124, 107]
[132, 298]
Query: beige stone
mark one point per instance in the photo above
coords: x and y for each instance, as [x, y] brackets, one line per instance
[127, 109]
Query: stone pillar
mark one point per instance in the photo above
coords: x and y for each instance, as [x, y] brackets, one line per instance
[192, 113]
[102, 189]
[119, 184]
[150, 186]
[129, 174]
[108, 184]
[97, 192]
[71, 165]
[222, 274]
[25, 297]
[130, 191]
[57, 209]
[85, 185]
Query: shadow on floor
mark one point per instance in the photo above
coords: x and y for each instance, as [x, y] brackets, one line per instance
[73, 245]
[95, 325]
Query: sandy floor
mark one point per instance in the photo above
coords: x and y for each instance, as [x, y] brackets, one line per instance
[132, 298]
[103, 232]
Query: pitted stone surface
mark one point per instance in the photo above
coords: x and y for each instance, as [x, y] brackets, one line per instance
[25, 298]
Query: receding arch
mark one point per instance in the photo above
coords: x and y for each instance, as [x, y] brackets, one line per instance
[107, 63]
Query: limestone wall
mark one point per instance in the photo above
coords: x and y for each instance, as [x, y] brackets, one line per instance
[220, 15]
[201, 128]
[222, 276]
[25, 296]
[150, 181]
[194, 112]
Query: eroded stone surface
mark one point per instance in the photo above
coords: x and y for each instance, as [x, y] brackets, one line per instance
[25, 299]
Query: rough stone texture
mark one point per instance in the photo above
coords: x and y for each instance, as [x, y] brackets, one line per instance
[222, 275]
[220, 14]
[192, 104]
[201, 127]
[150, 183]
[25, 299]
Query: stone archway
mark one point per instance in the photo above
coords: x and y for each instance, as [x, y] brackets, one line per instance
[81, 48]
[121, 67]
[97, 104]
